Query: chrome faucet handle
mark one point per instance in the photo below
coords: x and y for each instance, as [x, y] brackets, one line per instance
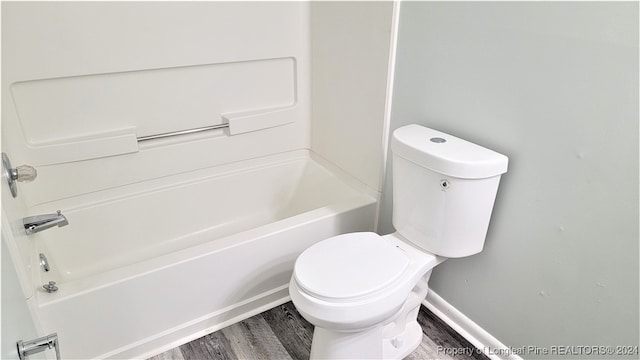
[24, 173]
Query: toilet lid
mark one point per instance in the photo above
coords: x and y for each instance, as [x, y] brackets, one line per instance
[349, 265]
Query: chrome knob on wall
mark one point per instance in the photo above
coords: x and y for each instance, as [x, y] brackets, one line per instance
[22, 173]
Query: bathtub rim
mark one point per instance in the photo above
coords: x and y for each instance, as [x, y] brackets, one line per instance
[362, 196]
[81, 286]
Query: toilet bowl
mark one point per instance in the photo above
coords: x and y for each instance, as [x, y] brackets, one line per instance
[363, 291]
[370, 303]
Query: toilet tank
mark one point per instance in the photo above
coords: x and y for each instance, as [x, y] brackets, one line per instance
[444, 189]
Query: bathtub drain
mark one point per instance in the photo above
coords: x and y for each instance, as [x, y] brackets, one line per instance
[50, 287]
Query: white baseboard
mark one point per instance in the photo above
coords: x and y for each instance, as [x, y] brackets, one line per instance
[468, 329]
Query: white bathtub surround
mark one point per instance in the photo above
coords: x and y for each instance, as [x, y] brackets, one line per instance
[172, 237]
[351, 50]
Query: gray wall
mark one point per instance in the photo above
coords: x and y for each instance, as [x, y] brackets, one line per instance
[554, 86]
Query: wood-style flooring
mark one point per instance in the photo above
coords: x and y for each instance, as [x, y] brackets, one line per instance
[281, 333]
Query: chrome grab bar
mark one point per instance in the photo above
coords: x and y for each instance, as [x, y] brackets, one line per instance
[182, 132]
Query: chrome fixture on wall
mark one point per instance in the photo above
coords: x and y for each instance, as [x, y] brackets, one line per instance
[30, 347]
[44, 263]
[182, 132]
[50, 287]
[34, 224]
[21, 173]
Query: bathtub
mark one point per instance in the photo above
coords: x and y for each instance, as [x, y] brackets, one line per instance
[146, 267]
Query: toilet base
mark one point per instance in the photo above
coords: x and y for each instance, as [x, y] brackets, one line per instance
[369, 344]
[393, 339]
[401, 347]
[328, 344]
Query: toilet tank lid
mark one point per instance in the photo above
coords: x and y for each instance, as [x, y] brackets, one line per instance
[446, 154]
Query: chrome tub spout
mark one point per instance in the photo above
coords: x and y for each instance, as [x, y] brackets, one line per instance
[34, 224]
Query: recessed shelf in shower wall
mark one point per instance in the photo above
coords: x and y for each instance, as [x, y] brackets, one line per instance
[247, 121]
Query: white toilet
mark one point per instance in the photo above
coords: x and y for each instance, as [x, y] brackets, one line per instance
[363, 291]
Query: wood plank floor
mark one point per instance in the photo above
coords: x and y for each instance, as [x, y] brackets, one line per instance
[281, 333]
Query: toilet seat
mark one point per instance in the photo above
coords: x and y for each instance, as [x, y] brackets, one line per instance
[350, 267]
[321, 283]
